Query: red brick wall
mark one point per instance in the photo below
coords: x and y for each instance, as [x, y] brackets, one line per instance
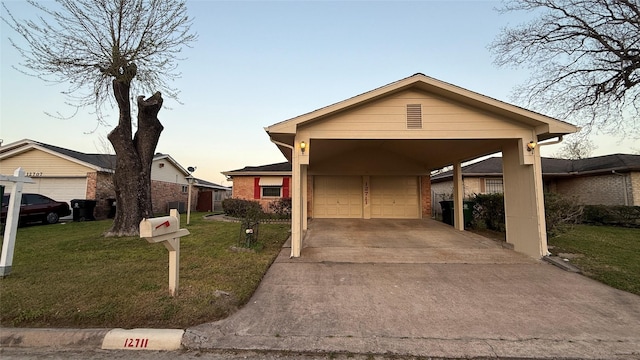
[425, 196]
[163, 193]
[244, 188]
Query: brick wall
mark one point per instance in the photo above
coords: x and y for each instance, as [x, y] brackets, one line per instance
[100, 188]
[163, 193]
[244, 187]
[606, 189]
[634, 181]
[425, 196]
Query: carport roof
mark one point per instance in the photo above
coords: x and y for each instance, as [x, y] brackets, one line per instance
[546, 127]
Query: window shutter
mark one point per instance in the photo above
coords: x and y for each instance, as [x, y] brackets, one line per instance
[414, 116]
[285, 188]
[256, 188]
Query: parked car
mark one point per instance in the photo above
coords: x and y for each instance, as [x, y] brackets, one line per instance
[36, 208]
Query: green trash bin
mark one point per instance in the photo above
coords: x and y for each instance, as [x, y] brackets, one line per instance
[448, 213]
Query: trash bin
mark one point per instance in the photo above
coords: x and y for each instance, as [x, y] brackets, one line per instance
[112, 208]
[448, 213]
[83, 209]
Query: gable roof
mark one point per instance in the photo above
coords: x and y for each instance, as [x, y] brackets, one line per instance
[546, 127]
[554, 167]
[98, 162]
[283, 168]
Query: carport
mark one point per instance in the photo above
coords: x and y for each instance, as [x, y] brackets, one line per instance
[370, 157]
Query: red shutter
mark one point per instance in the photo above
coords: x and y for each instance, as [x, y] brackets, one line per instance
[256, 188]
[285, 188]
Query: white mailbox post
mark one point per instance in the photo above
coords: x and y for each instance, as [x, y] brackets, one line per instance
[166, 229]
[13, 215]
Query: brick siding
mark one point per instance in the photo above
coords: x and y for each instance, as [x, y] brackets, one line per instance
[634, 181]
[596, 190]
[425, 196]
[243, 188]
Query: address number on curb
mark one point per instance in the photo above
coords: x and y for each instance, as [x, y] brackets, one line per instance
[136, 343]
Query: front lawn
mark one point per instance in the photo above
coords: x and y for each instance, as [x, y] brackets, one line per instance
[67, 275]
[605, 253]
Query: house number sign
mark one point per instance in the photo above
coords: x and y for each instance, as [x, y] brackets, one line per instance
[366, 192]
[136, 343]
[34, 174]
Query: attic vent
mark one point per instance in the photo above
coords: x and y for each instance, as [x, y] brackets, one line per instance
[414, 116]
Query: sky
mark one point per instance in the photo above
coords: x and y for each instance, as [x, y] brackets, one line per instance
[257, 63]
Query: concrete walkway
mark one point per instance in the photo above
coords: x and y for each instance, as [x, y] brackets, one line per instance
[418, 287]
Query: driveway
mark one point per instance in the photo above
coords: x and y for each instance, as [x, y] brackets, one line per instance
[419, 287]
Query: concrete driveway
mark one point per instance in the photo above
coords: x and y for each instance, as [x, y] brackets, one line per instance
[419, 287]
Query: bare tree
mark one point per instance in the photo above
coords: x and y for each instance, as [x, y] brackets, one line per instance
[584, 56]
[576, 147]
[100, 47]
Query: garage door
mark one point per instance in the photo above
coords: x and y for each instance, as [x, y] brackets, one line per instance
[337, 197]
[59, 189]
[395, 197]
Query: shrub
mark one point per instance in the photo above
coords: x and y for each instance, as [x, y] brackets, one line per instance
[488, 212]
[281, 207]
[619, 215]
[241, 208]
[561, 213]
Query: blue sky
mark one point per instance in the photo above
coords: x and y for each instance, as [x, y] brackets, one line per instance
[257, 63]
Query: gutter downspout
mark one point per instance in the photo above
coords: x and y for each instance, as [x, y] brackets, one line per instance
[292, 154]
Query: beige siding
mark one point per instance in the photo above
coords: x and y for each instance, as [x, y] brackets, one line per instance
[163, 170]
[43, 164]
[386, 118]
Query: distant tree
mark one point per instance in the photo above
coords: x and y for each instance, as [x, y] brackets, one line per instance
[584, 56]
[100, 47]
[576, 147]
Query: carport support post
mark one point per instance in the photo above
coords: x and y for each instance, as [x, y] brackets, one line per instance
[524, 200]
[13, 215]
[458, 196]
[296, 203]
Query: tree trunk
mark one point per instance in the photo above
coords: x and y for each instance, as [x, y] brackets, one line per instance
[134, 156]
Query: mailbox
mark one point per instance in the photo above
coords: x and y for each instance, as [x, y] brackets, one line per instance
[158, 226]
[166, 230]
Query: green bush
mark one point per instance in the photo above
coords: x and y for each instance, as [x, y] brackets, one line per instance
[488, 212]
[561, 212]
[281, 207]
[625, 216]
[241, 208]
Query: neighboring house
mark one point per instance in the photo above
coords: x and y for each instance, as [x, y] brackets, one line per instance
[210, 195]
[371, 156]
[602, 180]
[64, 175]
[265, 184]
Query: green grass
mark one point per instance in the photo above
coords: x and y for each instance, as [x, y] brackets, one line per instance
[608, 254]
[68, 275]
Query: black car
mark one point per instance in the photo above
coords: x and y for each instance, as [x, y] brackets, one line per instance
[37, 208]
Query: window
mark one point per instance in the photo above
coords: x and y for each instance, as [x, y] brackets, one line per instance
[185, 189]
[493, 186]
[271, 191]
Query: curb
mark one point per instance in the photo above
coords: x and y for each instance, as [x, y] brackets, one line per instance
[111, 339]
[53, 338]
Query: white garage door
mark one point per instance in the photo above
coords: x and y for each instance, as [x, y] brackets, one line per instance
[337, 197]
[395, 197]
[59, 189]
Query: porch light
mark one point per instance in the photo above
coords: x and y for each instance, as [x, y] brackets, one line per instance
[303, 146]
[531, 145]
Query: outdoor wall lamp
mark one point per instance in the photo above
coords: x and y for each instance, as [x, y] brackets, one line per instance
[303, 146]
[531, 145]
